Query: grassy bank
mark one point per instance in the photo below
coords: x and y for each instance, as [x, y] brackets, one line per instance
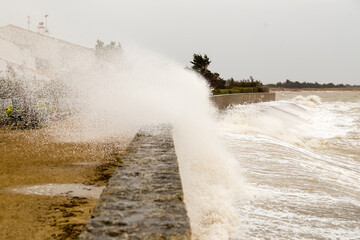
[240, 90]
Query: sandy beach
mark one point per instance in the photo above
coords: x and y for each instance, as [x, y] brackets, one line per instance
[40, 159]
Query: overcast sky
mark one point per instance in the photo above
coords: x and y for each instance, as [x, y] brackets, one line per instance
[272, 40]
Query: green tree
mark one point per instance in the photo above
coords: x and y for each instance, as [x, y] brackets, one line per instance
[107, 52]
[200, 63]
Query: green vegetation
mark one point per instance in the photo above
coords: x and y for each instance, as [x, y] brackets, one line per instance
[107, 52]
[200, 65]
[290, 84]
[26, 111]
[9, 111]
[233, 90]
[240, 90]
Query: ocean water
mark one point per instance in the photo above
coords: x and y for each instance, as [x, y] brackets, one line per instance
[300, 156]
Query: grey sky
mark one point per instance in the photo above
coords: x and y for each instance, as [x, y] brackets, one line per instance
[272, 40]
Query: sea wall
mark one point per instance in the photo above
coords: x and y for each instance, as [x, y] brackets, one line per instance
[225, 100]
[221, 101]
[144, 197]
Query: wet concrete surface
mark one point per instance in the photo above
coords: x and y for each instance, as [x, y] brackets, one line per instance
[144, 197]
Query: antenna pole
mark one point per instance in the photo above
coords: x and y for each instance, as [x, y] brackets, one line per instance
[46, 28]
[28, 22]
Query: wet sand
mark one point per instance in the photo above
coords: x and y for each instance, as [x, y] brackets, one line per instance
[33, 158]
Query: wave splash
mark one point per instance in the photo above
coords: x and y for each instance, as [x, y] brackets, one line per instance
[305, 121]
[301, 155]
[142, 88]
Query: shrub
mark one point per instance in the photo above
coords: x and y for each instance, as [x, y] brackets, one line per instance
[9, 111]
[42, 111]
[264, 89]
[51, 109]
[241, 90]
[223, 91]
[3, 118]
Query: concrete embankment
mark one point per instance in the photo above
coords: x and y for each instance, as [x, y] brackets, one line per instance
[221, 101]
[225, 100]
[144, 197]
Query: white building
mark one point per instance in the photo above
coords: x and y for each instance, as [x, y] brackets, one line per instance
[40, 54]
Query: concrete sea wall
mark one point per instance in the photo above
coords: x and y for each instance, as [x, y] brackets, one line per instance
[144, 197]
[221, 101]
[225, 100]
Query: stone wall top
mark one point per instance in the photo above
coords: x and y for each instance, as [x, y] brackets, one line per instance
[144, 197]
[224, 100]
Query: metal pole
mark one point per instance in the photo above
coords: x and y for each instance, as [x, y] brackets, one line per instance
[46, 28]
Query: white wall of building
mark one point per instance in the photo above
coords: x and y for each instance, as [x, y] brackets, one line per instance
[16, 53]
[41, 52]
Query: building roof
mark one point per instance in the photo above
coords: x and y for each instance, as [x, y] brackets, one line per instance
[39, 35]
[31, 47]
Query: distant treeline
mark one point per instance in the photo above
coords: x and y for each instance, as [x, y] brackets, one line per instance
[200, 65]
[243, 83]
[290, 84]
